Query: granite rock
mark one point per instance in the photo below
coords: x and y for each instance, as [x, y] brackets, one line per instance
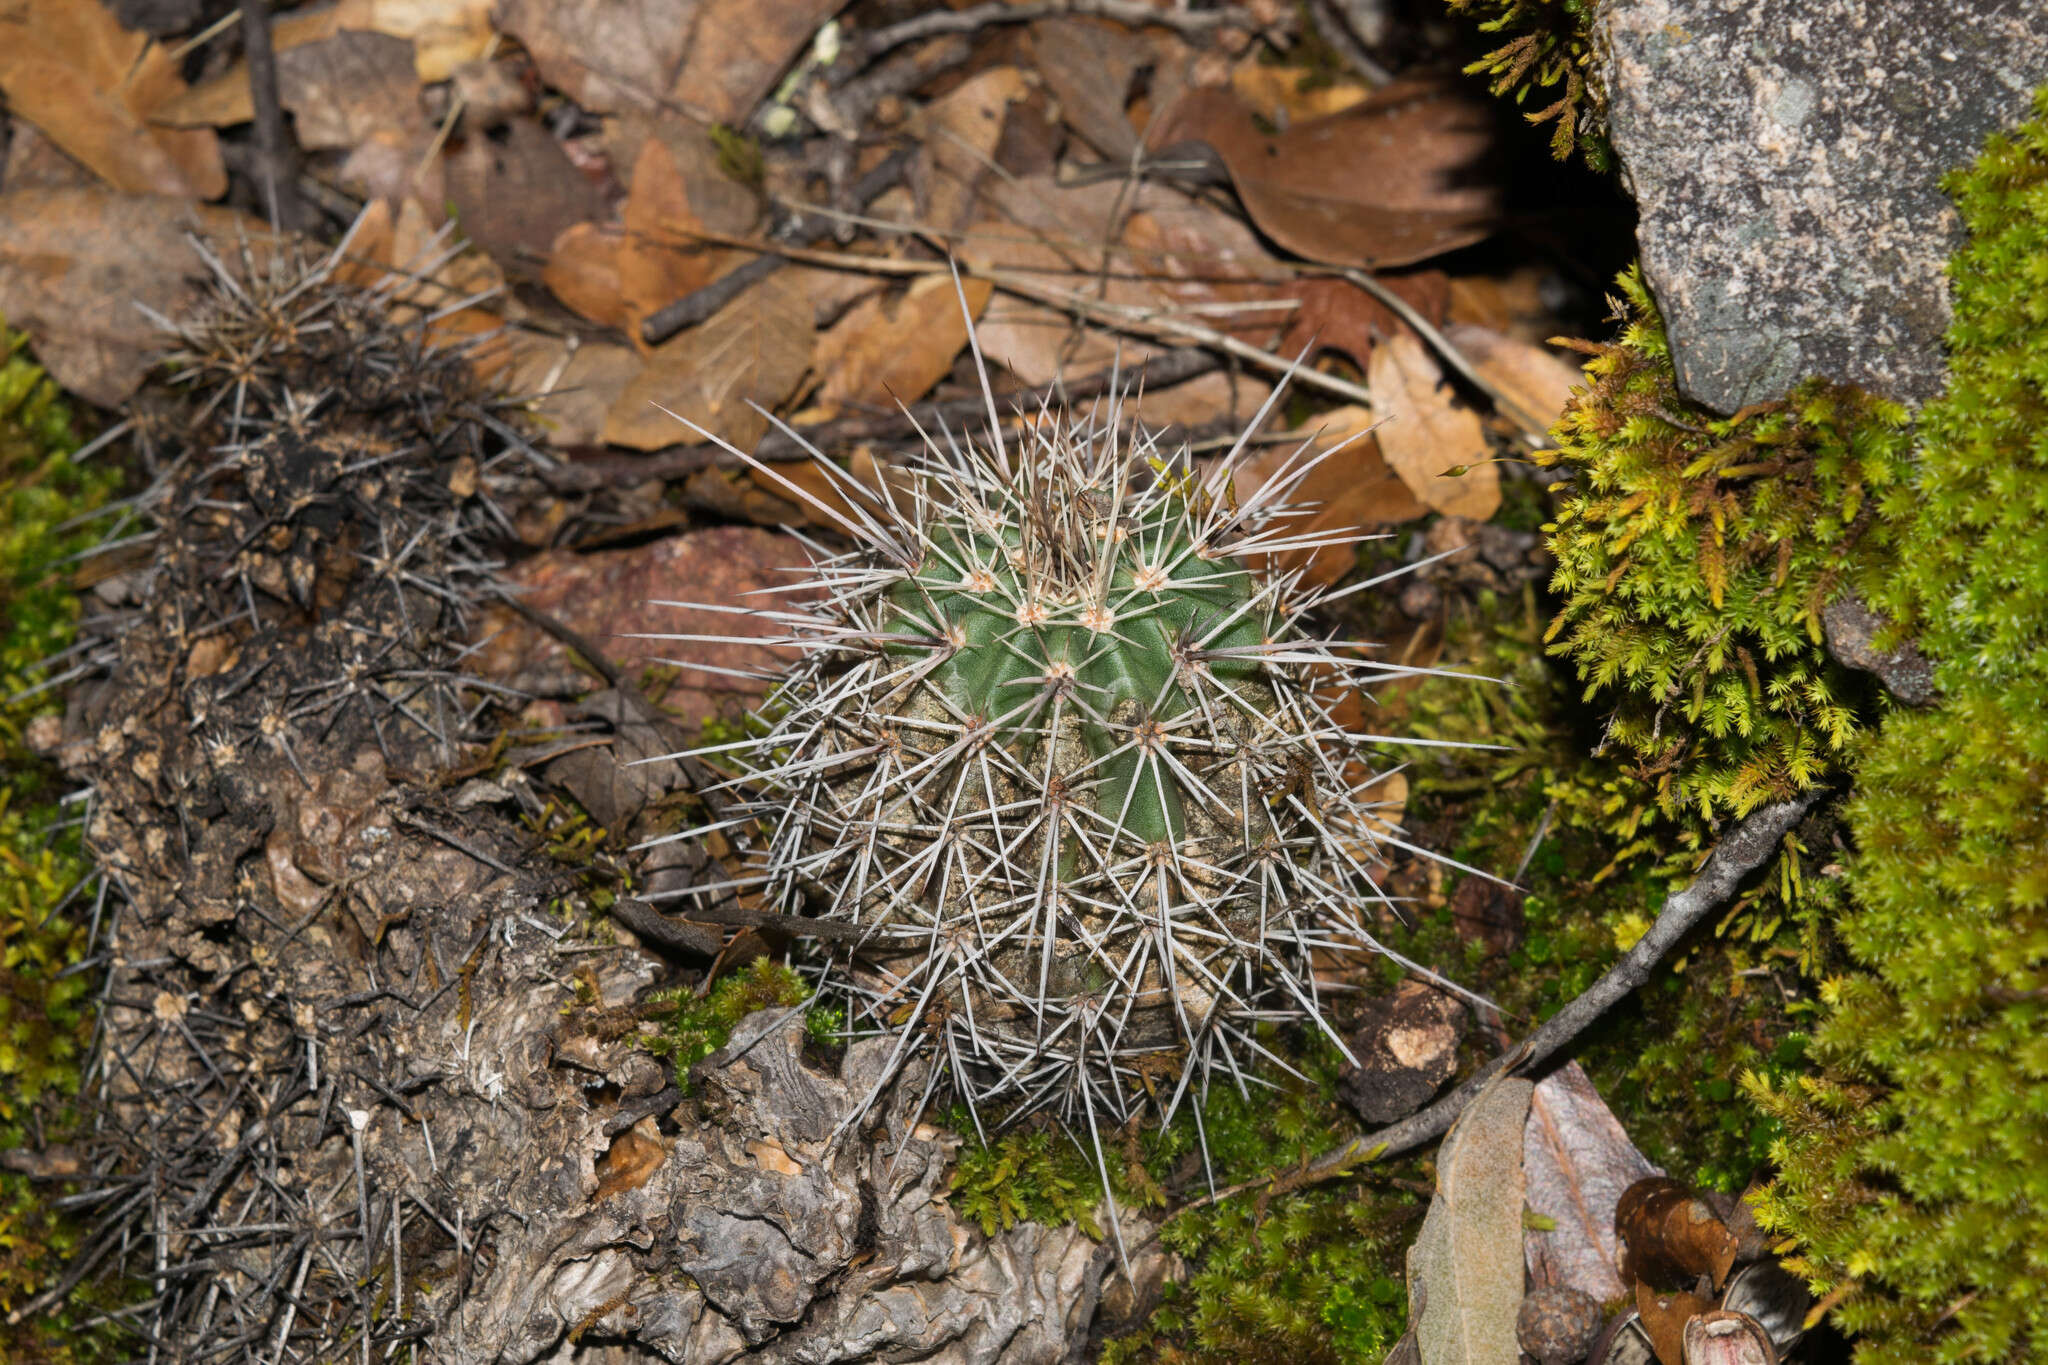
[1786, 160]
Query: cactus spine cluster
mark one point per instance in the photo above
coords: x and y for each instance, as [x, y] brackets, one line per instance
[1069, 763]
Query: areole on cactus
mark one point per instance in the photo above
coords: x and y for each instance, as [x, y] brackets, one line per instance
[1069, 761]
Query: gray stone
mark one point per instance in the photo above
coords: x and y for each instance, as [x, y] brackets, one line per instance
[1786, 160]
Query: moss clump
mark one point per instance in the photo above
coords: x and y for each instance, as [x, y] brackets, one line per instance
[1694, 558]
[700, 1025]
[1550, 46]
[1915, 1175]
[1741, 995]
[1035, 1176]
[45, 1005]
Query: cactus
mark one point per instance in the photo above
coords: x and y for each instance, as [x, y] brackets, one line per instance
[1070, 763]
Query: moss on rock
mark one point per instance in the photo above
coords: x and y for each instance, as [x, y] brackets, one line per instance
[1915, 1172]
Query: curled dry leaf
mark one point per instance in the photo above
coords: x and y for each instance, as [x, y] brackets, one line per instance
[342, 88]
[1578, 1161]
[891, 350]
[959, 132]
[92, 87]
[1466, 1264]
[1428, 435]
[1149, 252]
[713, 59]
[633, 1156]
[1672, 1235]
[1089, 65]
[1663, 1318]
[752, 351]
[1336, 315]
[1392, 180]
[1533, 384]
[1352, 484]
[515, 194]
[74, 265]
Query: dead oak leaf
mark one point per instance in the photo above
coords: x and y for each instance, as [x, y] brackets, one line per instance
[1336, 315]
[1428, 438]
[1351, 490]
[888, 351]
[752, 351]
[74, 265]
[91, 86]
[1532, 384]
[1392, 180]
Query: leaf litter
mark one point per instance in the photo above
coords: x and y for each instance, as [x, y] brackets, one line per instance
[543, 179]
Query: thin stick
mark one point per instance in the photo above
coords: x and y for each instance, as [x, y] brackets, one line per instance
[670, 462]
[1532, 424]
[1747, 847]
[275, 156]
[1134, 13]
[798, 229]
[1155, 323]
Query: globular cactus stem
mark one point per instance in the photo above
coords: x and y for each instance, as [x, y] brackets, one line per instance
[1070, 764]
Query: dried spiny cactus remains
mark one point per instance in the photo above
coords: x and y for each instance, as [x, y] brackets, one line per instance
[1070, 763]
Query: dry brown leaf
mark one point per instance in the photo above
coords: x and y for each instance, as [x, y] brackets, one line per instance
[1578, 1161]
[886, 351]
[1336, 315]
[959, 132]
[1221, 397]
[1510, 303]
[739, 49]
[753, 350]
[91, 86]
[1168, 254]
[1465, 1269]
[1089, 65]
[1286, 95]
[659, 260]
[515, 195]
[1388, 182]
[1534, 383]
[583, 272]
[1427, 434]
[570, 391]
[1354, 486]
[341, 88]
[1671, 1234]
[1664, 1318]
[75, 263]
[609, 56]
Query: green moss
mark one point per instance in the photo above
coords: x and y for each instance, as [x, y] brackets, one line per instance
[1024, 1176]
[1738, 997]
[1694, 558]
[700, 1025]
[1915, 1171]
[1549, 52]
[45, 1009]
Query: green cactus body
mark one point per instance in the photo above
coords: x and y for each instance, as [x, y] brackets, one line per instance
[1069, 763]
